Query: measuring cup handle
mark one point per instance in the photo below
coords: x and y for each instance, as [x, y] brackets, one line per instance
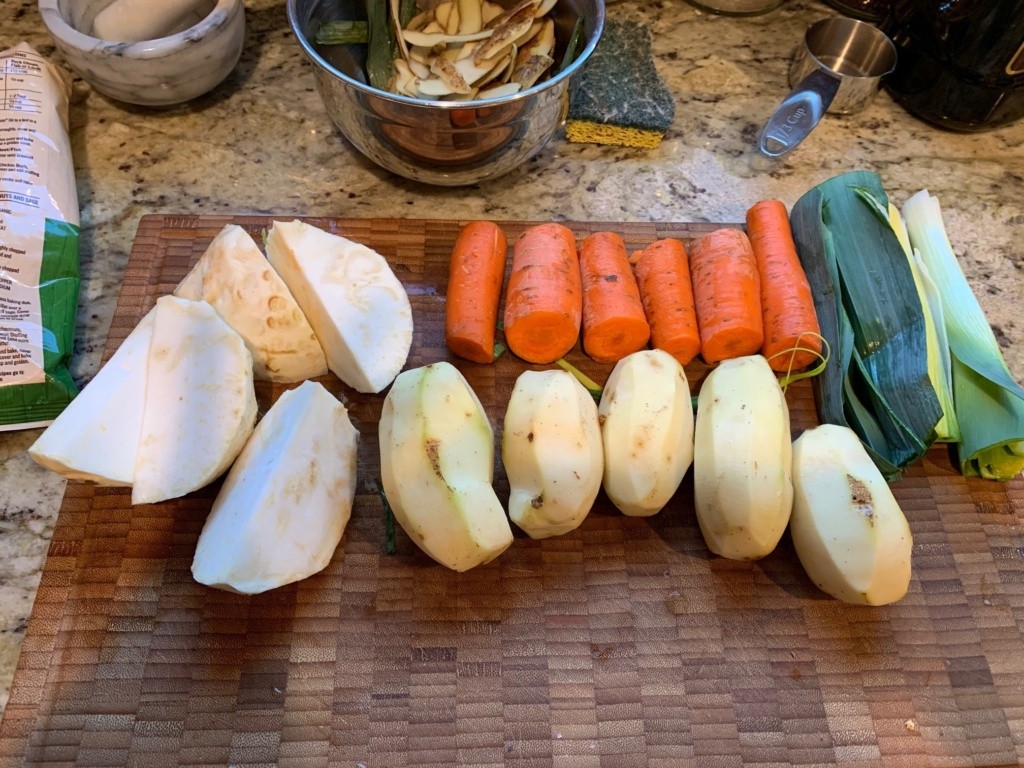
[798, 113]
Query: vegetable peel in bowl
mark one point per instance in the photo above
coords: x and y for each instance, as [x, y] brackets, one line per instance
[458, 50]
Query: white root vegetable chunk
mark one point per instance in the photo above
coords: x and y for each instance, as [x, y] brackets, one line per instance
[848, 530]
[437, 464]
[357, 307]
[551, 449]
[237, 280]
[287, 499]
[647, 430]
[200, 405]
[95, 437]
[742, 459]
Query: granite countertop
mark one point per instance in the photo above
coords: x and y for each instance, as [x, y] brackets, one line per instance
[262, 143]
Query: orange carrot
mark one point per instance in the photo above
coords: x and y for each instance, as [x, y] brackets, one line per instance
[727, 294]
[663, 276]
[614, 324]
[475, 273]
[787, 307]
[544, 299]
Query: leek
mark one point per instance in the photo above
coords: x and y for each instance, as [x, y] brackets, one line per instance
[342, 33]
[989, 403]
[588, 383]
[871, 314]
[939, 364]
[381, 44]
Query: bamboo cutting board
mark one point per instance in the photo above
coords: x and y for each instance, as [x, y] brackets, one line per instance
[623, 643]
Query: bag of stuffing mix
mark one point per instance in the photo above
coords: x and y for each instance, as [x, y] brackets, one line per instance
[38, 240]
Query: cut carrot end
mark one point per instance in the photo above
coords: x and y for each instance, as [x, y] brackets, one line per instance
[469, 349]
[682, 349]
[613, 339]
[541, 337]
[728, 343]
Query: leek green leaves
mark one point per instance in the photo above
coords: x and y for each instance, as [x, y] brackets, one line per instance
[870, 312]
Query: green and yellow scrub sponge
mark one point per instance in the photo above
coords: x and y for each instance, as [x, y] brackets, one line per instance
[620, 98]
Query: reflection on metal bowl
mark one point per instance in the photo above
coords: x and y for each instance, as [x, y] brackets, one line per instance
[441, 142]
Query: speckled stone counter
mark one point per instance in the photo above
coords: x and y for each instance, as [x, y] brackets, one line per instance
[262, 143]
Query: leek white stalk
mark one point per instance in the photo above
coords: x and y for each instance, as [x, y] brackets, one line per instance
[939, 364]
[989, 403]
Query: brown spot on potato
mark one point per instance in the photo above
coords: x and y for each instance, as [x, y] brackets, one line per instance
[433, 447]
[861, 499]
[537, 502]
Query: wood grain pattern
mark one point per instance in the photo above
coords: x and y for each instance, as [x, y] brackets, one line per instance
[621, 644]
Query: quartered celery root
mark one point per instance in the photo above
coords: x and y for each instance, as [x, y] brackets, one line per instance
[551, 449]
[236, 279]
[96, 437]
[742, 459]
[437, 464]
[848, 531]
[199, 405]
[989, 403]
[358, 309]
[287, 499]
[166, 415]
[647, 431]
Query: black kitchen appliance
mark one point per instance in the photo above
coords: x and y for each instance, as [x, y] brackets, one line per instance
[960, 63]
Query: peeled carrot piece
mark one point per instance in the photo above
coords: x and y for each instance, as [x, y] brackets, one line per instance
[544, 298]
[614, 324]
[663, 276]
[475, 274]
[727, 294]
[787, 307]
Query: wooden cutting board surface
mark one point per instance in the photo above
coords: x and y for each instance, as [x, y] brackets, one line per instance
[621, 644]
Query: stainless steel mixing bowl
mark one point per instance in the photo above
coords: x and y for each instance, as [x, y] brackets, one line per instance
[440, 142]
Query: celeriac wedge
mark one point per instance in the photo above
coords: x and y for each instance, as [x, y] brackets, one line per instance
[647, 431]
[742, 459]
[437, 464]
[287, 499]
[95, 437]
[848, 531]
[199, 406]
[357, 307]
[551, 449]
[238, 281]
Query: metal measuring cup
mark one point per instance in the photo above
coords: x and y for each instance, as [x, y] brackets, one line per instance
[838, 69]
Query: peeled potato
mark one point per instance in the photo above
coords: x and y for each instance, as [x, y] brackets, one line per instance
[551, 449]
[848, 530]
[437, 464]
[742, 459]
[647, 431]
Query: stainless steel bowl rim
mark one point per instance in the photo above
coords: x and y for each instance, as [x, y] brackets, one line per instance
[315, 57]
[143, 49]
